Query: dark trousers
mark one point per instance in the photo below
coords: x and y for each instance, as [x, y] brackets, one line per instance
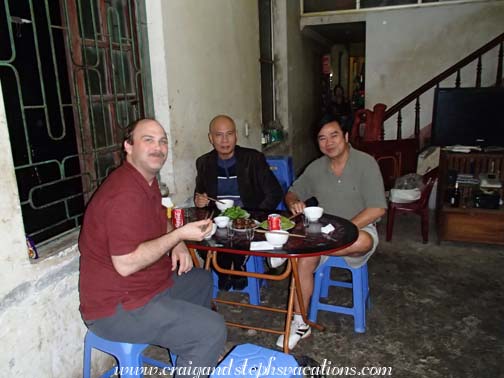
[178, 318]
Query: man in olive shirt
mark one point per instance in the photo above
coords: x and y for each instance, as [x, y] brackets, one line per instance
[346, 183]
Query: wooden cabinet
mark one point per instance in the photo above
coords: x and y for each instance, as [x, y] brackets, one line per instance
[467, 223]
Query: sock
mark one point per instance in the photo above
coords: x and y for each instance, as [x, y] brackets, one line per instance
[298, 318]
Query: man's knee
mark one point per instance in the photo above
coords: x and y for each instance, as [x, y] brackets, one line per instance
[363, 244]
[216, 329]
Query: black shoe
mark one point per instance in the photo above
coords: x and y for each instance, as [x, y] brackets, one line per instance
[239, 283]
[225, 282]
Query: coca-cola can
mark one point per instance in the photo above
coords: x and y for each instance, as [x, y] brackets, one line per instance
[178, 217]
[274, 222]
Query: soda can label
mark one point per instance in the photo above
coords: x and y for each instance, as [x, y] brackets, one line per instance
[274, 222]
[178, 217]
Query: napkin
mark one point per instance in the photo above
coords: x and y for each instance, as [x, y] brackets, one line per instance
[261, 246]
[166, 202]
[327, 229]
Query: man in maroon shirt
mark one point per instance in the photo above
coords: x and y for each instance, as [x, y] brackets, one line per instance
[136, 282]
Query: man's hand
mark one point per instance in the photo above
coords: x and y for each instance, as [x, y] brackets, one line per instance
[195, 230]
[296, 207]
[201, 200]
[182, 257]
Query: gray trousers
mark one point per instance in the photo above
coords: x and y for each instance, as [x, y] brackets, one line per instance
[179, 319]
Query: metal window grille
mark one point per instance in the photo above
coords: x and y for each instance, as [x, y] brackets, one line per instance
[72, 80]
[267, 62]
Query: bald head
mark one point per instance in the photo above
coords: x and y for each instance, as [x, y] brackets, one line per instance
[222, 135]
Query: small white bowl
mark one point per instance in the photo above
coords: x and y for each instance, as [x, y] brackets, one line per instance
[211, 233]
[313, 213]
[226, 205]
[277, 238]
[221, 221]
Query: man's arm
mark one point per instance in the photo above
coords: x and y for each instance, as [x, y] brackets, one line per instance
[150, 251]
[367, 216]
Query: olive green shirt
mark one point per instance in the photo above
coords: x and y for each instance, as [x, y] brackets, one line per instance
[359, 187]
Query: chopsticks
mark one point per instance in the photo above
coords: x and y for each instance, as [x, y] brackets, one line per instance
[280, 233]
[215, 200]
[210, 215]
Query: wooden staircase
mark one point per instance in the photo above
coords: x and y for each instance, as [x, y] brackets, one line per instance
[397, 157]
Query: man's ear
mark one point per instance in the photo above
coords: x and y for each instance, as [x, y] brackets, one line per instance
[210, 138]
[127, 147]
[346, 137]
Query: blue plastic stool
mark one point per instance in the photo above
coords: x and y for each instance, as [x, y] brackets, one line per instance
[359, 286]
[127, 356]
[281, 166]
[249, 360]
[253, 289]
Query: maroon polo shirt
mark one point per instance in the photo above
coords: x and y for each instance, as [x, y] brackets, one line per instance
[124, 212]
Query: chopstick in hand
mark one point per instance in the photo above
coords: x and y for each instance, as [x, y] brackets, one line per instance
[294, 216]
[203, 228]
[215, 200]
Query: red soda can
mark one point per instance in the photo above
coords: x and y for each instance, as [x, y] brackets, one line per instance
[178, 217]
[274, 222]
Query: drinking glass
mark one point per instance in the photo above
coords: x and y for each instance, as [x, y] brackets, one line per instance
[306, 222]
[230, 230]
[249, 233]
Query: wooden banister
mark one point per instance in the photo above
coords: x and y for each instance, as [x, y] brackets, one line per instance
[450, 71]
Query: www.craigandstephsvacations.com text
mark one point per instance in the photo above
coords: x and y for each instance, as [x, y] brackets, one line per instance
[259, 369]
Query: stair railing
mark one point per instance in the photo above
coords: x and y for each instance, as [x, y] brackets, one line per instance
[456, 68]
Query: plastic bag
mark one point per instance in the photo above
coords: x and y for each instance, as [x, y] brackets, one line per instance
[407, 188]
[409, 181]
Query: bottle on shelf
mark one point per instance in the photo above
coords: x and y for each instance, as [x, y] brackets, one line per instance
[455, 196]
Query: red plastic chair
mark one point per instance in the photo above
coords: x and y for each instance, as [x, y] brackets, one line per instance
[420, 207]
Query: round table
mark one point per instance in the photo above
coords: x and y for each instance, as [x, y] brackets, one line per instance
[311, 242]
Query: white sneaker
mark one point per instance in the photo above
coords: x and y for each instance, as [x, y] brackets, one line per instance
[298, 331]
[275, 262]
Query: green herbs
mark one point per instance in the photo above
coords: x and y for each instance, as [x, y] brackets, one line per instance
[235, 212]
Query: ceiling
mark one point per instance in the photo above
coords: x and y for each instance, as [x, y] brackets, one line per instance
[343, 33]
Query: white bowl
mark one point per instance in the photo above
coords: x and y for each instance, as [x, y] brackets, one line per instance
[313, 213]
[277, 238]
[226, 205]
[211, 233]
[221, 221]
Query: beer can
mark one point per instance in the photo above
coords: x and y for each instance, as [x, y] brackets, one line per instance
[178, 217]
[274, 222]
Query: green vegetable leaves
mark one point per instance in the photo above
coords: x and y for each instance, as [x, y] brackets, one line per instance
[235, 212]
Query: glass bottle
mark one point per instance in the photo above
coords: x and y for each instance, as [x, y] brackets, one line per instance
[455, 197]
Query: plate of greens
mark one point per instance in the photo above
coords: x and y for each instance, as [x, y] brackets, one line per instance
[235, 212]
[285, 224]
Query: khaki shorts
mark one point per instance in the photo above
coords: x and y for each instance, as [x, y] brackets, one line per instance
[357, 262]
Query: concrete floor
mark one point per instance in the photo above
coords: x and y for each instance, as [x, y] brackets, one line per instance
[437, 311]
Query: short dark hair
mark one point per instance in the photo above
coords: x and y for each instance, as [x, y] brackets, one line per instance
[328, 118]
[128, 136]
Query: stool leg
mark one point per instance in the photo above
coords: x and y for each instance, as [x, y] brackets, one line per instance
[253, 284]
[315, 299]
[326, 279]
[425, 225]
[131, 364]
[359, 306]
[365, 286]
[87, 361]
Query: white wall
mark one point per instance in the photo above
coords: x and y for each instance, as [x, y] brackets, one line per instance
[212, 51]
[406, 48]
[206, 54]
[296, 66]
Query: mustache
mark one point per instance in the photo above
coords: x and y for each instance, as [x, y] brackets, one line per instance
[157, 154]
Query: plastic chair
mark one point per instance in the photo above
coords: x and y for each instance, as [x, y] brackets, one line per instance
[281, 166]
[253, 289]
[359, 286]
[128, 356]
[249, 360]
[419, 207]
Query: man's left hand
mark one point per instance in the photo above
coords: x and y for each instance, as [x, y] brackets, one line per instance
[184, 260]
